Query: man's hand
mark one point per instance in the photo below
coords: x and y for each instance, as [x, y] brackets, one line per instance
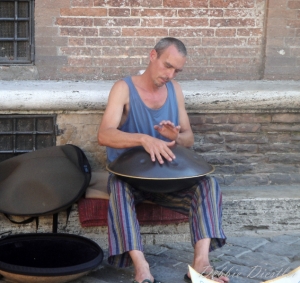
[168, 130]
[158, 149]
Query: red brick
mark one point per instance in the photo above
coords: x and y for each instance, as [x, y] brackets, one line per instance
[93, 12]
[82, 3]
[80, 62]
[192, 42]
[293, 4]
[75, 51]
[231, 61]
[233, 52]
[232, 3]
[123, 62]
[73, 41]
[106, 22]
[224, 42]
[226, 32]
[154, 12]
[145, 3]
[203, 52]
[239, 13]
[106, 41]
[101, 3]
[128, 52]
[74, 22]
[191, 32]
[255, 41]
[119, 12]
[110, 31]
[79, 31]
[144, 32]
[189, 13]
[128, 3]
[186, 3]
[195, 22]
[144, 41]
[232, 22]
[249, 32]
[196, 61]
[151, 22]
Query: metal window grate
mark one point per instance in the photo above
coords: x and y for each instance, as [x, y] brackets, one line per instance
[16, 31]
[25, 133]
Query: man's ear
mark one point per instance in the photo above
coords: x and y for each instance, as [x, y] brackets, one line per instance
[153, 54]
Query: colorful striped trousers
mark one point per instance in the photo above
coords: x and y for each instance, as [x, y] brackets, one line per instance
[202, 203]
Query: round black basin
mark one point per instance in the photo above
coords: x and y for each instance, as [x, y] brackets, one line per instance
[48, 257]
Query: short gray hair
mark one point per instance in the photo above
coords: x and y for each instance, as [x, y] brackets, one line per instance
[164, 43]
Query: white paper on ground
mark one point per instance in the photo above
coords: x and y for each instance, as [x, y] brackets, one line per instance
[197, 277]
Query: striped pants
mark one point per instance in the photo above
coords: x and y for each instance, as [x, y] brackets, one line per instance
[202, 203]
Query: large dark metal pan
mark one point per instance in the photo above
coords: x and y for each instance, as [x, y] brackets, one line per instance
[47, 258]
[136, 168]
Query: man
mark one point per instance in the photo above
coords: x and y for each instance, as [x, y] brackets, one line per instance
[148, 110]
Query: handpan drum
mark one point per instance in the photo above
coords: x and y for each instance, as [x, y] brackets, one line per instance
[136, 168]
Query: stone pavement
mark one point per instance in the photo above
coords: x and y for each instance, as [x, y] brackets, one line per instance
[249, 259]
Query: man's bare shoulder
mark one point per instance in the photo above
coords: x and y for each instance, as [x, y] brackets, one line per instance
[119, 90]
[120, 84]
[177, 87]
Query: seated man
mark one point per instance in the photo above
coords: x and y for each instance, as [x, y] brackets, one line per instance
[148, 110]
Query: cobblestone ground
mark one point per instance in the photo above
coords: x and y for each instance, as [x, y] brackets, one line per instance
[244, 259]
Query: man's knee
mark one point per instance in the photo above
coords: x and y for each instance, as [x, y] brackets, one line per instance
[209, 184]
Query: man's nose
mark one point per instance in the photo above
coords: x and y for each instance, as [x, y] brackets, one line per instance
[171, 73]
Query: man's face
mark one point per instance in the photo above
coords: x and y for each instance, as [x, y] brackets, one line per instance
[167, 66]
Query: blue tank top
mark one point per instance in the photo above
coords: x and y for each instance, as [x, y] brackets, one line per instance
[141, 118]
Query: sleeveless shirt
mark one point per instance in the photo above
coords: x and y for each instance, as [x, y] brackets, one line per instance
[141, 118]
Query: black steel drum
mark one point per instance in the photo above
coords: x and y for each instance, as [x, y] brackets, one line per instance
[48, 258]
[136, 168]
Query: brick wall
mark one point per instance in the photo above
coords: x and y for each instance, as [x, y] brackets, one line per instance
[250, 149]
[283, 40]
[108, 39]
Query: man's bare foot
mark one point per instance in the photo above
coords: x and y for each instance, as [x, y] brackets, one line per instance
[141, 266]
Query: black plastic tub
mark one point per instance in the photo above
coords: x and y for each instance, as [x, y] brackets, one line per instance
[48, 257]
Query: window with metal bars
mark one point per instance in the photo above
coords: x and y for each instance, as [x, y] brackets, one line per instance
[16, 32]
[25, 133]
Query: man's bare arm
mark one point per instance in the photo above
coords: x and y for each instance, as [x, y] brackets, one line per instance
[181, 133]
